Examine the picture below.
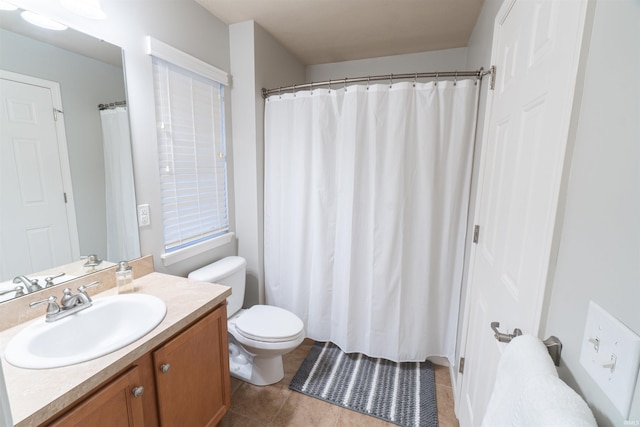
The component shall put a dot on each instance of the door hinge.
(65, 197)
(55, 114)
(476, 233)
(492, 85)
(461, 367)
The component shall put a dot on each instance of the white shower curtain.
(122, 229)
(366, 197)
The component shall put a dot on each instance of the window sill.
(170, 258)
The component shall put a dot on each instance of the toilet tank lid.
(219, 269)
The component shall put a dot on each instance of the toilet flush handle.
(164, 368)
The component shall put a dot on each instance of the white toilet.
(258, 336)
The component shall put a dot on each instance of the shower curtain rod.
(112, 105)
(479, 74)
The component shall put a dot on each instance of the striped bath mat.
(400, 393)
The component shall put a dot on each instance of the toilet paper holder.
(553, 344)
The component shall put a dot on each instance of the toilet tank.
(230, 271)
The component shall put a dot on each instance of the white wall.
(257, 61)
(599, 253)
(84, 83)
(242, 42)
(441, 60)
(184, 25)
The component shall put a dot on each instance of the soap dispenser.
(124, 278)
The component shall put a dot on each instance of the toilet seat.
(269, 324)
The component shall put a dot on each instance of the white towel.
(524, 357)
(547, 401)
(525, 367)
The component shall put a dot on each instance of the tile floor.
(276, 405)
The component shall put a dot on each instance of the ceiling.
(323, 31)
(68, 39)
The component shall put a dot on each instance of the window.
(192, 155)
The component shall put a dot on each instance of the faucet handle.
(49, 280)
(52, 306)
(19, 290)
(83, 288)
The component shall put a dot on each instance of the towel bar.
(554, 347)
(553, 344)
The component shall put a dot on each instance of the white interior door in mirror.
(34, 225)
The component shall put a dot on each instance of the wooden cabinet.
(192, 374)
(117, 404)
(186, 383)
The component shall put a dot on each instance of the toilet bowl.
(258, 336)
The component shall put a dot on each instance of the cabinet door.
(114, 405)
(192, 374)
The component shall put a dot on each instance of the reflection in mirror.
(66, 175)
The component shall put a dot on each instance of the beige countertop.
(37, 395)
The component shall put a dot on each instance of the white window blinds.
(192, 155)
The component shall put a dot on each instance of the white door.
(536, 51)
(36, 229)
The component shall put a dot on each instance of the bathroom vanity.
(177, 374)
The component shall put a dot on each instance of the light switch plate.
(611, 355)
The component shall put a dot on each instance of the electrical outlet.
(611, 355)
(144, 215)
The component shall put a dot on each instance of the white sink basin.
(108, 325)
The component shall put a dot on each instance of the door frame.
(544, 293)
(63, 151)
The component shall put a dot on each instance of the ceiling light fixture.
(5, 5)
(86, 8)
(41, 21)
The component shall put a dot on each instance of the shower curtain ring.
(329, 86)
(455, 79)
(390, 80)
(345, 84)
(368, 81)
(293, 90)
(415, 80)
(280, 92)
(436, 81)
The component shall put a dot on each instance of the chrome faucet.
(69, 303)
(29, 285)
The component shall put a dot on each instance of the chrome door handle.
(501, 336)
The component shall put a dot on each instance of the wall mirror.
(46, 226)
